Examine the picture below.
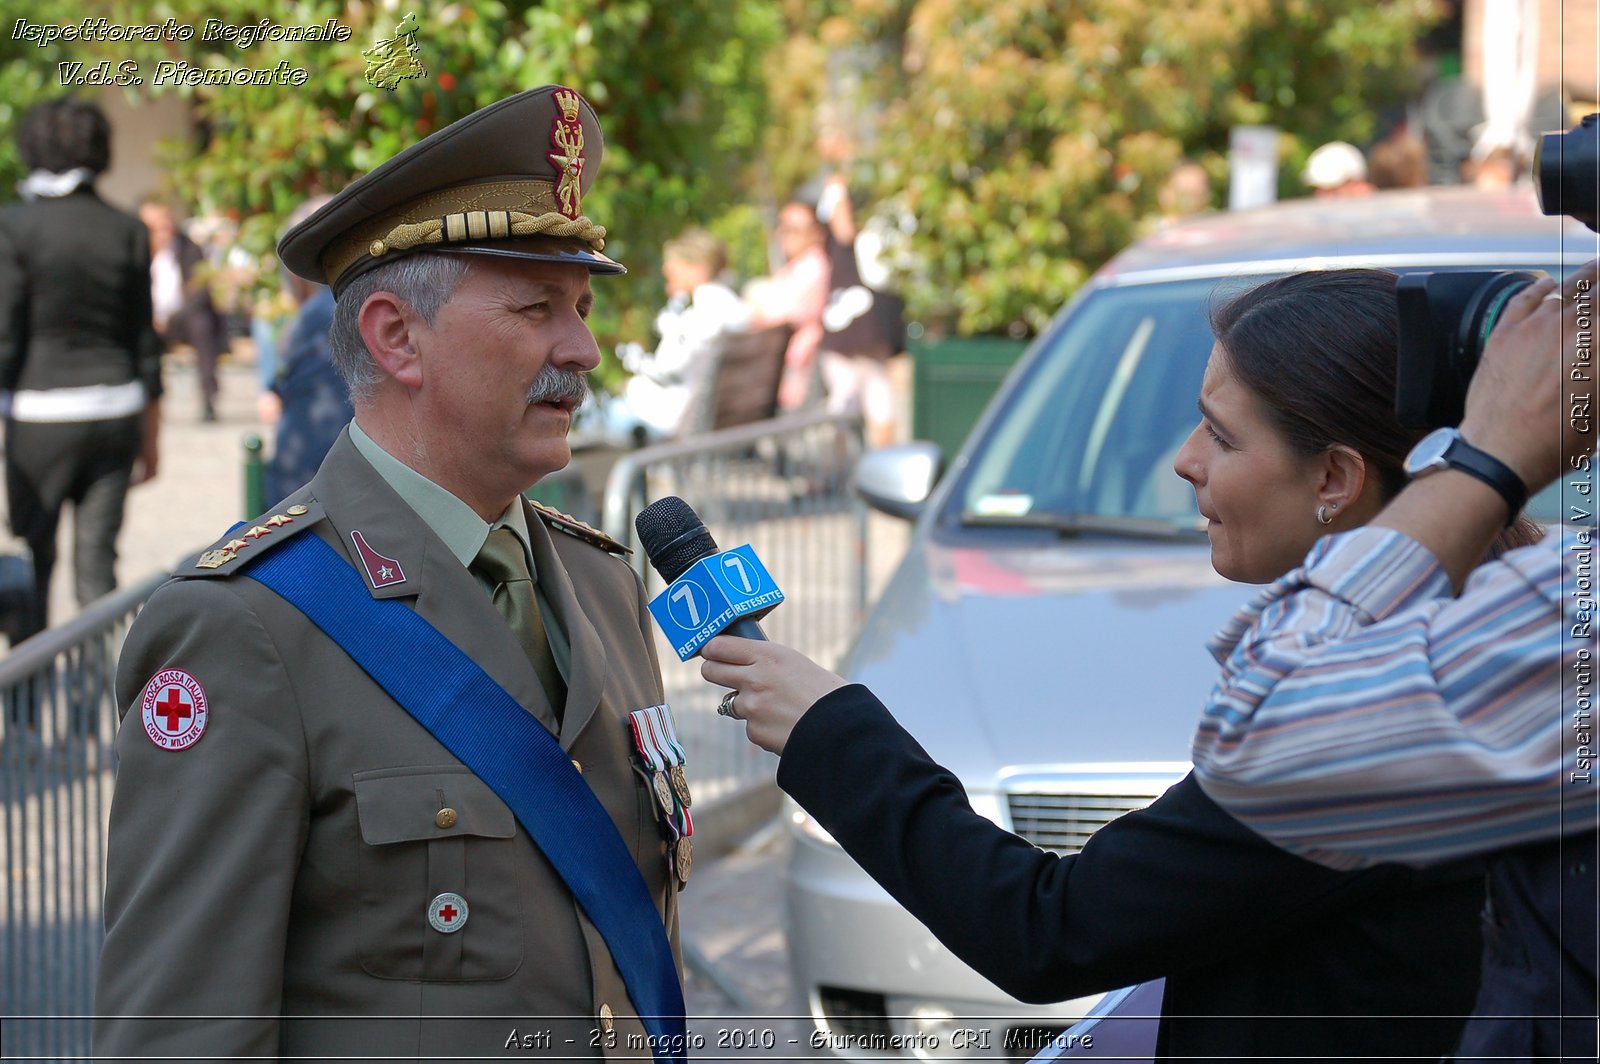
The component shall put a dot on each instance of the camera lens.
(1482, 313)
(1445, 321)
(1566, 170)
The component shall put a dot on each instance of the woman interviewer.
(1265, 955)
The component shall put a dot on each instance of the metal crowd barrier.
(782, 487)
(779, 486)
(58, 715)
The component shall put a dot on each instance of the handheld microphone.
(709, 591)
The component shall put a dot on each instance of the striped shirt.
(1365, 715)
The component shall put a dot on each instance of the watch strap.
(1489, 469)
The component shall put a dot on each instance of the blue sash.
(479, 722)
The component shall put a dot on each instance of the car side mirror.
(898, 480)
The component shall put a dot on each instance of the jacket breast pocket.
(438, 863)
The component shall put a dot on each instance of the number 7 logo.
(685, 593)
(736, 563)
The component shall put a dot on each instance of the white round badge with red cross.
(448, 913)
(174, 709)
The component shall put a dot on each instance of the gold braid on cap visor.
(394, 233)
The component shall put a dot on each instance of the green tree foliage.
(679, 89)
(1029, 139)
(1021, 143)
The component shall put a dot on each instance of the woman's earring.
(1322, 515)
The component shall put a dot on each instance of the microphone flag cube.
(711, 594)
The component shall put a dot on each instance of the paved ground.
(731, 917)
(731, 908)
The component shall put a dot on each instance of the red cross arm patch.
(173, 709)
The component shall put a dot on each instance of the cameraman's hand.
(1530, 401)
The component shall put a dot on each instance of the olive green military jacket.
(271, 880)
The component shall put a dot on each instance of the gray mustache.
(559, 384)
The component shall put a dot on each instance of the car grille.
(1064, 822)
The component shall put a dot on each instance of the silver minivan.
(1044, 636)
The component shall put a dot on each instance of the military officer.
(298, 866)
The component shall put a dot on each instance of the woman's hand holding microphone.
(772, 685)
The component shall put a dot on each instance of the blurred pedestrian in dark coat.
(79, 360)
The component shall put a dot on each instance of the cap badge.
(566, 134)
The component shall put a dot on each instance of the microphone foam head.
(673, 536)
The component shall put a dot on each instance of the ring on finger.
(725, 709)
(1552, 297)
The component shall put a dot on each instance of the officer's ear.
(389, 328)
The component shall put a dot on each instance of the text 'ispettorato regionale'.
(97, 30)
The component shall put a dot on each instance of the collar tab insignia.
(382, 570)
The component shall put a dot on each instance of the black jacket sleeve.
(13, 311)
(1179, 885)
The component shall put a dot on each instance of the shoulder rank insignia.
(574, 527)
(244, 543)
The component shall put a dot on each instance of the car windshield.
(1087, 439)
(1090, 436)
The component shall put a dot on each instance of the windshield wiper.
(1076, 524)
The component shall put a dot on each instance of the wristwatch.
(1445, 449)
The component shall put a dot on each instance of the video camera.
(1446, 318)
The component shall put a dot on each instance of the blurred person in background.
(701, 309)
(1495, 170)
(862, 328)
(1337, 169)
(1265, 956)
(1399, 160)
(1185, 193)
(312, 398)
(78, 355)
(270, 317)
(181, 297)
(795, 295)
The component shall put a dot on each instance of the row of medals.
(673, 785)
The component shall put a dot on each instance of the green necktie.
(505, 564)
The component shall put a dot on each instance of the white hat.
(1334, 164)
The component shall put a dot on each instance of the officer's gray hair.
(425, 281)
